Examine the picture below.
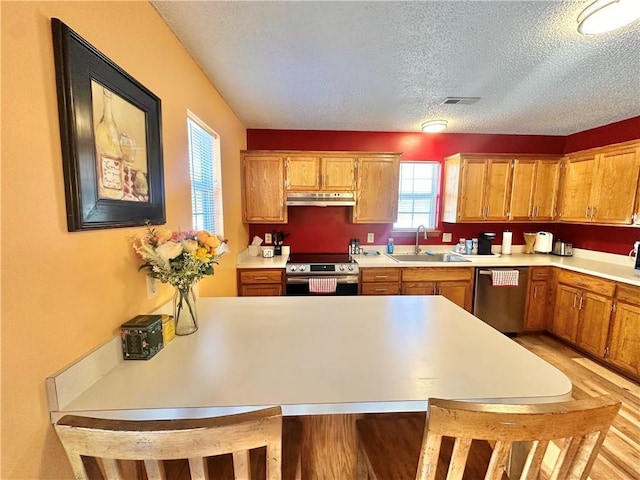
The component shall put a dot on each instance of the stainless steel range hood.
(324, 199)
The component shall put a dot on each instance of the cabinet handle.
(380, 289)
(535, 292)
(606, 352)
(533, 209)
(381, 276)
(537, 210)
(574, 300)
(593, 211)
(586, 212)
(261, 278)
(580, 306)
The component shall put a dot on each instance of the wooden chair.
(186, 448)
(477, 439)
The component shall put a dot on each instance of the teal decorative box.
(142, 337)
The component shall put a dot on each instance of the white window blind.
(206, 179)
(418, 195)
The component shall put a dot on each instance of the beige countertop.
(354, 354)
(613, 267)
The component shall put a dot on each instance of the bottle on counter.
(460, 247)
(390, 245)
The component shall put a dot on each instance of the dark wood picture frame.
(78, 66)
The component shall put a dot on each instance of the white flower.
(169, 250)
(190, 245)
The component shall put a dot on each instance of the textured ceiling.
(387, 66)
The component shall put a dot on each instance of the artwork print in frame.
(110, 128)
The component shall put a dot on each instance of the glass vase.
(184, 311)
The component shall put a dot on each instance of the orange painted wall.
(64, 293)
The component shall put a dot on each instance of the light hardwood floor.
(619, 458)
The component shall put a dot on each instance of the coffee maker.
(485, 240)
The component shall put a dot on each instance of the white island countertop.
(328, 355)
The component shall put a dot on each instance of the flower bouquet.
(180, 259)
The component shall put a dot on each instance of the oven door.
(299, 285)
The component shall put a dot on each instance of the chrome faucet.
(424, 229)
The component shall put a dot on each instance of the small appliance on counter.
(544, 242)
(637, 267)
(562, 249)
(529, 242)
(485, 240)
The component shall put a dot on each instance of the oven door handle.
(304, 280)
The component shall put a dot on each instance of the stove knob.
(292, 268)
(350, 268)
(302, 268)
(342, 268)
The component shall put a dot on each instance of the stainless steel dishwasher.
(502, 307)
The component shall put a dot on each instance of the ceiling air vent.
(460, 100)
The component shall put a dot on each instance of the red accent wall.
(316, 229)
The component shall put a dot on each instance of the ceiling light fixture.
(606, 15)
(434, 126)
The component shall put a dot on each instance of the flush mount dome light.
(606, 15)
(434, 126)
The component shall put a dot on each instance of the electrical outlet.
(267, 238)
(446, 237)
(152, 286)
(370, 237)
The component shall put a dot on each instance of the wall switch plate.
(267, 238)
(446, 237)
(152, 286)
(370, 237)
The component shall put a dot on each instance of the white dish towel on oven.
(323, 284)
(505, 278)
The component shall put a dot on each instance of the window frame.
(215, 184)
(437, 179)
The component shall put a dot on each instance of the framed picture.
(110, 127)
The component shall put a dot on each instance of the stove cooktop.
(321, 264)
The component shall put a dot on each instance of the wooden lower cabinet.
(623, 350)
(380, 281)
(539, 296)
(454, 283)
(260, 282)
(583, 310)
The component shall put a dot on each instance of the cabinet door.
(593, 327)
(578, 181)
(624, 349)
(303, 173)
(524, 175)
(474, 179)
(459, 292)
(266, 290)
(566, 313)
(498, 190)
(338, 174)
(616, 186)
(545, 189)
(537, 302)
(377, 189)
(419, 288)
(263, 189)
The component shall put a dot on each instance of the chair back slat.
(498, 461)
(429, 460)
(533, 463)
(155, 441)
(155, 470)
(241, 465)
(459, 456)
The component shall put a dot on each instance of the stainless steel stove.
(301, 268)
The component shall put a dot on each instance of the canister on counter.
(142, 337)
(168, 328)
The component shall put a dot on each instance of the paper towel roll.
(506, 242)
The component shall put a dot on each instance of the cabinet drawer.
(260, 276)
(436, 274)
(587, 282)
(381, 275)
(628, 294)
(539, 273)
(380, 288)
(257, 290)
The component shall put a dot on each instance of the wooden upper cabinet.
(477, 188)
(320, 173)
(377, 180)
(601, 185)
(263, 194)
(534, 189)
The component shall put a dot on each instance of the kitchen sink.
(427, 257)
